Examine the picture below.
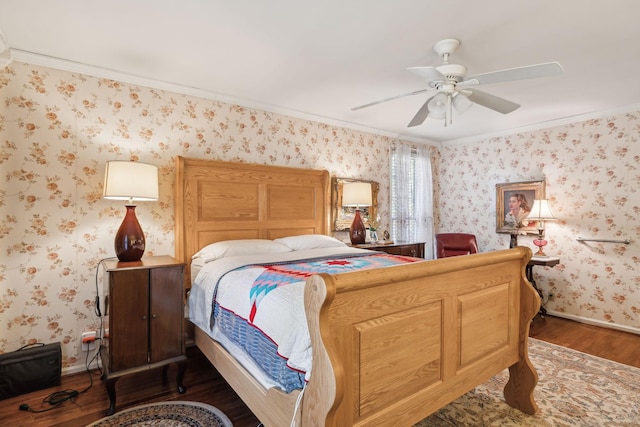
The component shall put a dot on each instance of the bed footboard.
(392, 346)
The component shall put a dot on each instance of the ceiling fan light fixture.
(438, 115)
(461, 103)
(456, 90)
(438, 105)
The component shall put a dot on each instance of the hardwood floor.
(619, 346)
(205, 385)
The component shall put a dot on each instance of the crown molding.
(78, 67)
(563, 121)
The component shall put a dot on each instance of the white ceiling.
(319, 59)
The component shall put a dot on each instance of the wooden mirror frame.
(342, 217)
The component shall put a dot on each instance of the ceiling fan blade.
(421, 115)
(388, 99)
(468, 82)
(431, 74)
(548, 69)
(493, 102)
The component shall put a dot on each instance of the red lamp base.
(357, 232)
(540, 243)
(129, 243)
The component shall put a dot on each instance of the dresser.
(415, 250)
(144, 327)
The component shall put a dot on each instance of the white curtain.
(412, 196)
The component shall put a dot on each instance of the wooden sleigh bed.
(390, 346)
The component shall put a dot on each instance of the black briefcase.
(33, 367)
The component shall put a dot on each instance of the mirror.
(341, 216)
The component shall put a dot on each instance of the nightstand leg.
(182, 368)
(529, 274)
(111, 391)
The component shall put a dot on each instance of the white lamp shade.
(541, 211)
(438, 115)
(125, 180)
(438, 105)
(356, 194)
(461, 103)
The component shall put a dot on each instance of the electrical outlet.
(88, 340)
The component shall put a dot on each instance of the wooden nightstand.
(144, 319)
(415, 250)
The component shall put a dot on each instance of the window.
(411, 196)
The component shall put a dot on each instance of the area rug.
(574, 389)
(167, 414)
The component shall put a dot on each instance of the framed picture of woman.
(513, 204)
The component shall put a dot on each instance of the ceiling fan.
(456, 90)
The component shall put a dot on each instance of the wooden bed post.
(324, 391)
(523, 377)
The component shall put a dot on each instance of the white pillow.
(310, 241)
(239, 247)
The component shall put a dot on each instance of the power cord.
(56, 399)
(97, 299)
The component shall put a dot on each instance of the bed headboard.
(217, 200)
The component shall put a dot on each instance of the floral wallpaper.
(592, 174)
(57, 130)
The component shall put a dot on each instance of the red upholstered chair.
(454, 244)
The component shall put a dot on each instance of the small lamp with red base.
(125, 180)
(540, 212)
(357, 194)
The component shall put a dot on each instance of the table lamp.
(130, 181)
(357, 194)
(540, 212)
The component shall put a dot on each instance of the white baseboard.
(73, 370)
(594, 322)
(93, 357)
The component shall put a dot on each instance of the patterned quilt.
(282, 274)
(258, 309)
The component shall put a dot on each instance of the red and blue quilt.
(282, 274)
(257, 306)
